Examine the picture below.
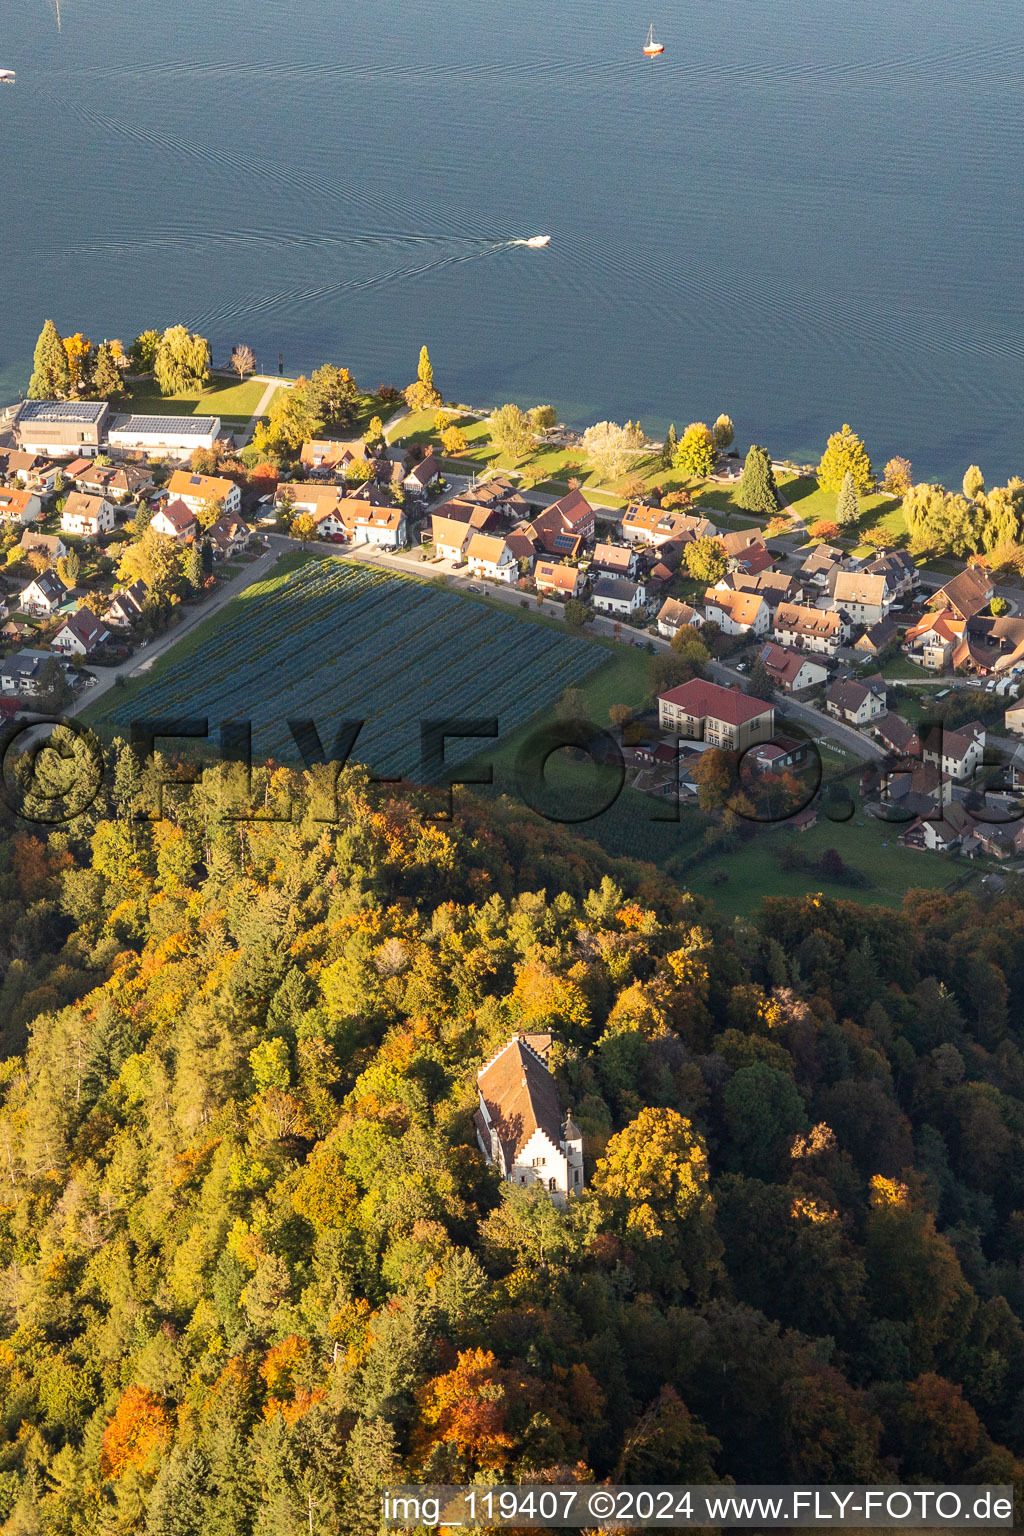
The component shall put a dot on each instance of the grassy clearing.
(234, 401)
(752, 871)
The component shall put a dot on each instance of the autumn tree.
(897, 477)
(242, 360)
(543, 418)
(51, 373)
(142, 352)
(705, 559)
(613, 449)
(714, 774)
(182, 362)
(423, 395)
(695, 455)
(454, 442)
(845, 453)
(512, 432)
(974, 483)
(140, 1426)
(723, 433)
(757, 491)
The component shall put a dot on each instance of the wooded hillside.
(253, 1264)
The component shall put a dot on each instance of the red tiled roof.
(703, 699)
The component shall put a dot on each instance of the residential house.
(363, 523)
(774, 586)
(423, 475)
(991, 645)
(746, 550)
(566, 527)
(899, 570)
(520, 1126)
(1000, 839)
(917, 790)
(878, 637)
(967, 594)
(43, 595)
(657, 578)
(624, 599)
(501, 498)
(164, 437)
(1017, 768)
(723, 717)
(175, 520)
(1014, 718)
(327, 456)
(81, 634)
(21, 673)
(305, 495)
(956, 753)
(228, 537)
(941, 830)
(31, 472)
(931, 642)
(822, 630)
(898, 735)
(864, 599)
(126, 606)
(49, 544)
(856, 702)
(785, 754)
(522, 541)
(822, 564)
(488, 556)
(674, 616)
(19, 506)
(658, 526)
(195, 489)
(615, 560)
(62, 429)
(116, 482)
(737, 613)
(557, 579)
(449, 535)
(791, 670)
(88, 516)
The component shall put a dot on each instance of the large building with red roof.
(723, 717)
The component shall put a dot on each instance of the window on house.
(552, 1184)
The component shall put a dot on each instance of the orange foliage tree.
(139, 1427)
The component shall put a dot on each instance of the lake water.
(802, 214)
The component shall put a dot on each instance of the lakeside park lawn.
(232, 400)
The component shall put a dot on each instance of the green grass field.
(224, 397)
(752, 871)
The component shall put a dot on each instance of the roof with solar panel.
(177, 426)
(83, 411)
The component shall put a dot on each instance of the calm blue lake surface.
(802, 214)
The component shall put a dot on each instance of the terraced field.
(334, 640)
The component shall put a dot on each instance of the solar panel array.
(62, 410)
(165, 426)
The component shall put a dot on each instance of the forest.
(253, 1265)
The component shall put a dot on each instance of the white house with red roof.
(175, 521)
(80, 634)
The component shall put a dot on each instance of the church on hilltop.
(519, 1123)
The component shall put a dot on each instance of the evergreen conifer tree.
(757, 491)
(51, 375)
(668, 452)
(847, 504)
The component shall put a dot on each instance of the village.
(913, 677)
